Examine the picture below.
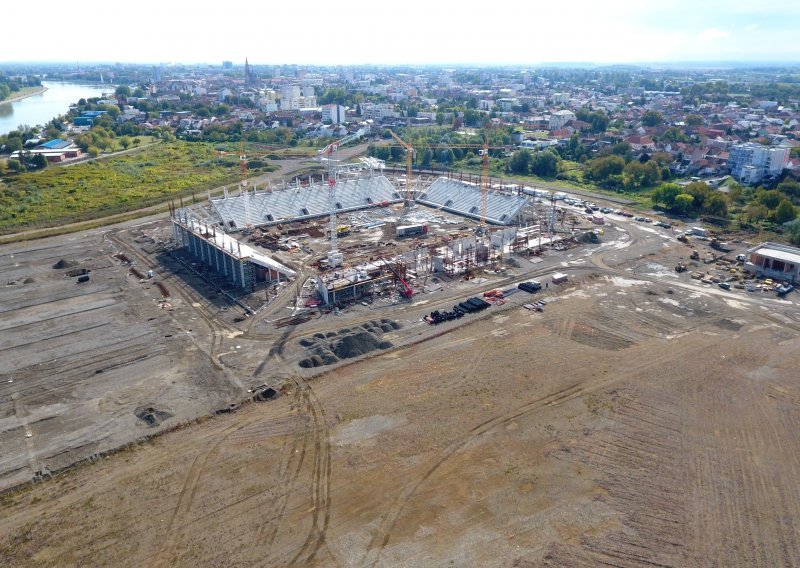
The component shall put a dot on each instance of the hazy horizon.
(521, 33)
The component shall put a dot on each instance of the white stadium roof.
(293, 204)
(464, 199)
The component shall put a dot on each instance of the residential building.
(751, 163)
(559, 118)
(333, 113)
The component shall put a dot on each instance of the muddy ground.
(640, 419)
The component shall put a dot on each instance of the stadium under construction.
(387, 263)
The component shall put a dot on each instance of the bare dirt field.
(642, 419)
(89, 366)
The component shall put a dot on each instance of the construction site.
(359, 367)
(364, 235)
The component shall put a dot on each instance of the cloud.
(752, 27)
(712, 34)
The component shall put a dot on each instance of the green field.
(116, 184)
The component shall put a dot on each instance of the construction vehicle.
(680, 267)
(406, 291)
(695, 255)
(342, 230)
(683, 238)
(716, 244)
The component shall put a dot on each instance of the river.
(40, 109)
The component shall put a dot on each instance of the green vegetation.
(13, 85)
(112, 185)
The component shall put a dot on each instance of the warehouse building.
(774, 260)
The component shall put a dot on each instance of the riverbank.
(24, 94)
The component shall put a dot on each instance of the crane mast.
(335, 258)
(409, 158)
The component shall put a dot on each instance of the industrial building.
(366, 280)
(774, 260)
(239, 263)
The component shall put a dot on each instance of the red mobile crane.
(406, 291)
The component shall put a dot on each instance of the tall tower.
(249, 77)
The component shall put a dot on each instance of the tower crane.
(484, 152)
(409, 158)
(335, 258)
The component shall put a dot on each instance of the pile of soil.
(151, 416)
(346, 343)
(63, 263)
(588, 237)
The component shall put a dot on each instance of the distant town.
(617, 128)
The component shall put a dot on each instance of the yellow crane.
(409, 158)
(484, 152)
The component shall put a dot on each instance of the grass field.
(111, 185)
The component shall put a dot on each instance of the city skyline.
(358, 33)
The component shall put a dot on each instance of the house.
(641, 143)
(560, 118)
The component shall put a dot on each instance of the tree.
(785, 212)
(545, 164)
(792, 230)
(735, 192)
(769, 198)
(425, 158)
(717, 204)
(446, 156)
(123, 91)
(789, 187)
(13, 144)
(94, 151)
(639, 174)
(520, 162)
(652, 118)
(683, 203)
(601, 169)
(15, 166)
(699, 192)
(125, 141)
(39, 162)
(665, 194)
(756, 212)
(694, 120)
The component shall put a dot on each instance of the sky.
(404, 32)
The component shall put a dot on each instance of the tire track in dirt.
(321, 479)
(389, 519)
(288, 476)
(187, 494)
